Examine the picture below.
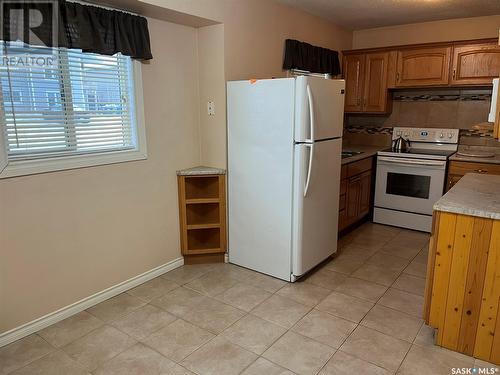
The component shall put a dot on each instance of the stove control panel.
(429, 135)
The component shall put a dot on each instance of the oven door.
(410, 185)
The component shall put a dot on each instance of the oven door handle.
(404, 161)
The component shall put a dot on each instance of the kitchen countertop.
(368, 151)
(474, 195)
(491, 160)
(200, 171)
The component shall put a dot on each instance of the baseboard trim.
(65, 312)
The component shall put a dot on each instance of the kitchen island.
(462, 296)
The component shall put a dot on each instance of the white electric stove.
(409, 183)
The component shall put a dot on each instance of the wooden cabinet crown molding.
(421, 45)
(371, 73)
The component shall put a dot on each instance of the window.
(62, 108)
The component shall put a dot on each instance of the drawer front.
(462, 168)
(342, 202)
(343, 187)
(342, 219)
(359, 167)
(343, 172)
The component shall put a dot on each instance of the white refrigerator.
(284, 152)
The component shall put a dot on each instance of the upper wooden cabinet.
(370, 73)
(366, 82)
(354, 73)
(375, 97)
(475, 64)
(423, 67)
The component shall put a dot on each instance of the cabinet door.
(475, 64)
(354, 72)
(423, 67)
(452, 180)
(343, 220)
(375, 98)
(365, 193)
(353, 197)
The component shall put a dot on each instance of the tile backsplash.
(431, 108)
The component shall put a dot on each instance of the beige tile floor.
(359, 313)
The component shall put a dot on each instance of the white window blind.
(78, 103)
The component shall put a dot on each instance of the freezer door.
(260, 181)
(325, 97)
(316, 203)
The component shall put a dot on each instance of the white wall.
(427, 32)
(212, 88)
(67, 235)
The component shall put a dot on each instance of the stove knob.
(450, 135)
(441, 135)
(406, 134)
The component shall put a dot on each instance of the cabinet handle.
(480, 170)
(454, 72)
(397, 77)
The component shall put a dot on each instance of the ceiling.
(365, 14)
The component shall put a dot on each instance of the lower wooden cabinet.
(355, 192)
(458, 169)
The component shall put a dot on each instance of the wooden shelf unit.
(202, 215)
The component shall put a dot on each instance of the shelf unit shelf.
(202, 200)
(202, 226)
(202, 214)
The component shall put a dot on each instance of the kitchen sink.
(348, 154)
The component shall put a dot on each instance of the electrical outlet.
(211, 108)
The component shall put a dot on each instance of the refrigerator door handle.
(309, 169)
(311, 112)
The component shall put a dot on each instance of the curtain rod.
(103, 7)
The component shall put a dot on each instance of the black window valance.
(86, 27)
(304, 56)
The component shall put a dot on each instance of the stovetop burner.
(425, 143)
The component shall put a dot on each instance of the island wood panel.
(444, 248)
(459, 268)
(489, 318)
(475, 282)
(464, 277)
(496, 125)
(495, 348)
